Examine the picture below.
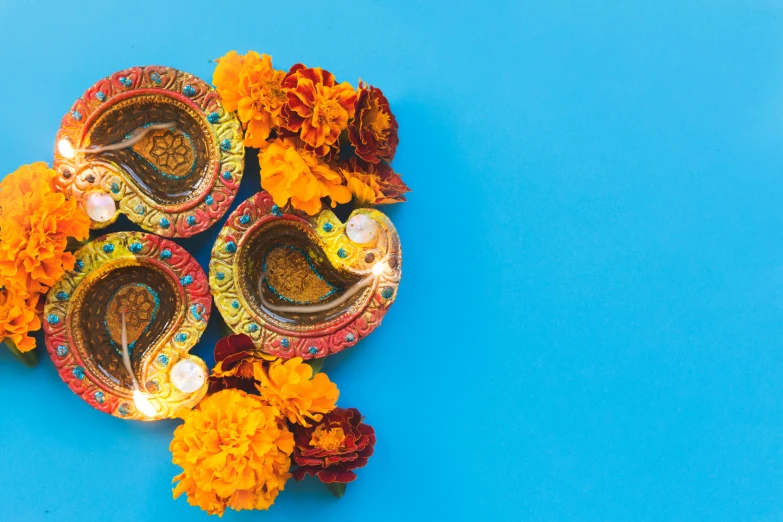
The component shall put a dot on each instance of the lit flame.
(65, 149)
(143, 404)
(379, 268)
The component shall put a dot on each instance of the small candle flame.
(65, 149)
(143, 404)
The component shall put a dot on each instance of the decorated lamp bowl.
(120, 324)
(306, 286)
(153, 143)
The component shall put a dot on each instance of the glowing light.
(379, 268)
(65, 149)
(143, 404)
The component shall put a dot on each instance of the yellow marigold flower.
(295, 174)
(18, 319)
(318, 108)
(234, 452)
(290, 387)
(251, 86)
(35, 223)
(365, 188)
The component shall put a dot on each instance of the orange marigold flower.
(35, 223)
(374, 129)
(376, 185)
(234, 452)
(318, 109)
(290, 387)
(298, 175)
(18, 318)
(251, 86)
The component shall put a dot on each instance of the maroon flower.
(234, 356)
(341, 442)
(374, 129)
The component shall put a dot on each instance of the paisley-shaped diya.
(300, 285)
(120, 324)
(153, 143)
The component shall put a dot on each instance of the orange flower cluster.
(318, 138)
(35, 223)
(234, 452)
(236, 447)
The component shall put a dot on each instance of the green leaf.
(336, 488)
(29, 358)
(316, 364)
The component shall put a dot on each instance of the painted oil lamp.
(153, 143)
(300, 285)
(120, 324)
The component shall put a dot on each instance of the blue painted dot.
(227, 176)
(276, 211)
(61, 296)
(235, 304)
(164, 223)
(78, 265)
(213, 117)
(313, 350)
(208, 200)
(245, 219)
(78, 372)
(100, 397)
(100, 96)
(76, 115)
(350, 338)
(115, 188)
(327, 227)
(125, 81)
(124, 409)
(196, 310)
(387, 292)
(139, 209)
(155, 78)
(62, 350)
(225, 144)
(342, 253)
(191, 220)
(53, 319)
(220, 276)
(189, 90)
(108, 248)
(284, 343)
(163, 360)
(181, 337)
(252, 327)
(135, 247)
(231, 247)
(165, 254)
(186, 280)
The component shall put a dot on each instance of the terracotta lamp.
(153, 143)
(300, 285)
(120, 325)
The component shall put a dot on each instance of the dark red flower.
(374, 129)
(234, 357)
(341, 442)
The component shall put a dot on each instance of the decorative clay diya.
(156, 142)
(300, 285)
(120, 325)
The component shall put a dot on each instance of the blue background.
(590, 321)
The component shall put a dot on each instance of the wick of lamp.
(67, 150)
(141, 400)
